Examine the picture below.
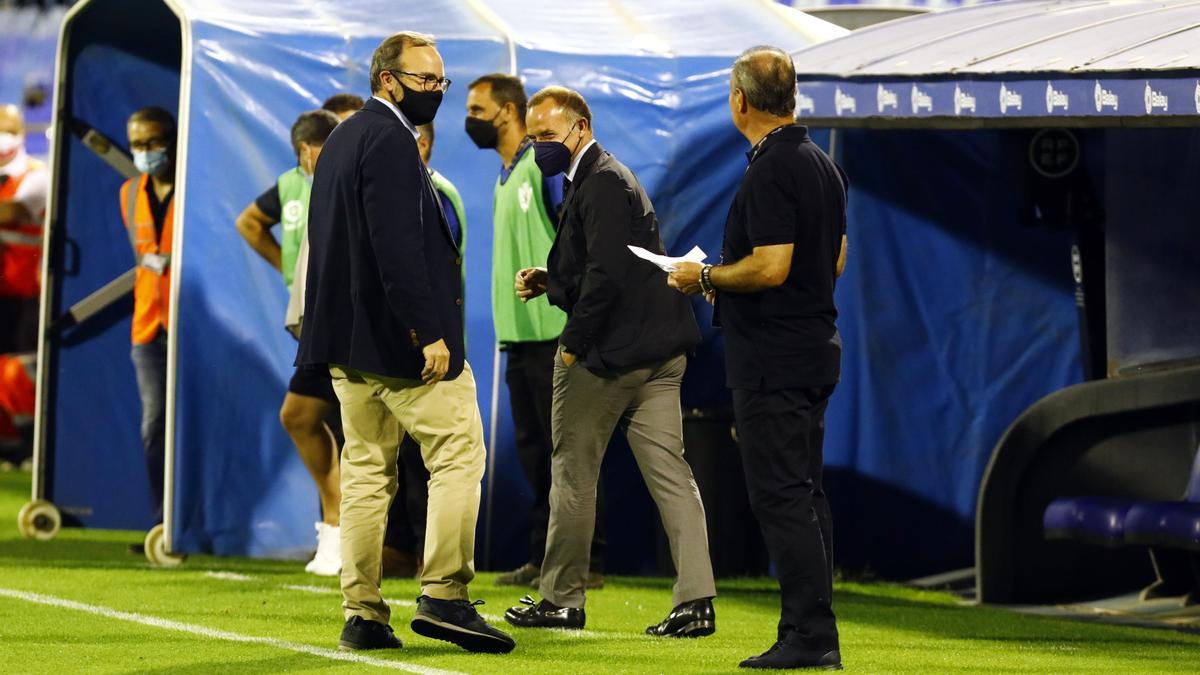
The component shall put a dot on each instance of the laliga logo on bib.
(805, 104)
(291, 214)
(921, 100)
(525, 196)
(963, 101)
(1056, 99)
(1009, 99)
(1154, 100)
(843, 103)
(1105, 98)
(885, 98)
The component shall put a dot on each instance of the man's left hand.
(685, 278)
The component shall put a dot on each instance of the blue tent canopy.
(1075, 61)
(992, 255)
(239, 72)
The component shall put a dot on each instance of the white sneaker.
(328, 560)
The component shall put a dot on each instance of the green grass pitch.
(233, 615)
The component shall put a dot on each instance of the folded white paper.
(667, 263)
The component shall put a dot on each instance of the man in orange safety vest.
(147, 209)
(23, 185)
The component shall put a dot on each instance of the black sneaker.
(456, 621)
(360, 633)
(784, 655)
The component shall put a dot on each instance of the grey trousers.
(587, 407)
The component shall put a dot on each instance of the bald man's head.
(12, 133)
(11, 120)
(767, 78)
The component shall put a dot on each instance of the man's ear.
(740, 99)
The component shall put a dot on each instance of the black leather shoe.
(786, 656)
(694, 618)
(545, 614)
(360, 633)
(457, 622)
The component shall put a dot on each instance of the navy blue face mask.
(553, 157)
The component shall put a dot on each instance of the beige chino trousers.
(444, 419)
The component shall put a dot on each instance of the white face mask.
(10, 146)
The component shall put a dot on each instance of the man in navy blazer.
(383, 314)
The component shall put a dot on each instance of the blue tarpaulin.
(957, 304)
(655, 74)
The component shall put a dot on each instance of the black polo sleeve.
(268, 203)
(771, 204)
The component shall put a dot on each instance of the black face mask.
(483, 132)
(554, 157)
(420, 107)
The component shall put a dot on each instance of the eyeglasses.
(428, 82)
(149, 143)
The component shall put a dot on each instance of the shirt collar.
(403, 120)
(766, 141)
(578, 158)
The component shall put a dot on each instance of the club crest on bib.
(525, 196)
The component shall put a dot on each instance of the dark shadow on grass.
(73, 553)
(992, 624)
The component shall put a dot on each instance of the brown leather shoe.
(398, 564)
(522, 576)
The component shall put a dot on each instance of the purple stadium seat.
(1171, 524)
(1098, 520)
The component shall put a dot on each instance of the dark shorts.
(314, 382)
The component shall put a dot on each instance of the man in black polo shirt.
(773, 291)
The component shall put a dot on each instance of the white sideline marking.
(310, 589)
(216, 634)
(229, 576)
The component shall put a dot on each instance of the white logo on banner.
(886, 98)
(525, 196)
(1105, 99)
(1009, 99)
(1198, 97)
(1056, 99)
(1154, 100)
(805, 104)
(921, 100)
(843, 103)
(963, 101)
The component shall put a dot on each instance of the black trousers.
(530, 379)
(780, 434)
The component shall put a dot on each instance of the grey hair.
(768, 77)
(387, 54)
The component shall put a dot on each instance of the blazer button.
(458, 261)
(458, 302)
(413, 334)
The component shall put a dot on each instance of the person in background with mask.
(383, 311)
(343, 104)
(620, 363)
(148, 211)
(310, 400)
(524, 217)
(24, 182)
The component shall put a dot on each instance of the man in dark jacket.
(383, 312)
(620, 362)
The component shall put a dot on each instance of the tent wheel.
(156, 549)
(40, 520)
